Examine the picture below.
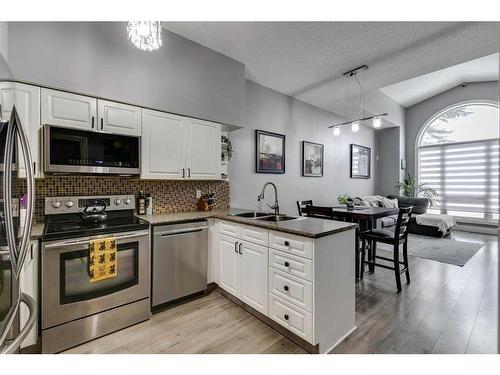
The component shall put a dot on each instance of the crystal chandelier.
(145, 35)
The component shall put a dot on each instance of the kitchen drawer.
(229, 229)
(292, 244)
(291, 289)
(291, 264)
(292, 318)
(256, 235)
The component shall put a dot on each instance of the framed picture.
(269, 152)
(312, 159)
(360, 161)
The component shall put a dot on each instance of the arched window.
(458, 155)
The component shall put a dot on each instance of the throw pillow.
(389, 203)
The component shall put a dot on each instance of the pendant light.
(361, 115)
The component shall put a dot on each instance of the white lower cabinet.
(253, 273)
(296, 320)
(28, 281)
(243, 271)
(306, 285)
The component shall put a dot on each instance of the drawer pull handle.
(236, 247)
(287, 264)
(286, 288)
(286, 317)
(287, 243)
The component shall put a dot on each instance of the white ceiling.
(415, 90)
(306, 59)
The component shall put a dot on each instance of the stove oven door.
(68, 294)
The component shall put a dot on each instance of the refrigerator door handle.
(17, 256)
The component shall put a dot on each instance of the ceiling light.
(336, 131)
(355, 126)
(377, 122)
(145, 35)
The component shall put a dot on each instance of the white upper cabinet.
(7, 99)
(176, 147)
(162, 145)
(68, 110)
(203, 149)
(28, 108)
(118, 118)
(27, 101)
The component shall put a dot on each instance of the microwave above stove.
(68, 151)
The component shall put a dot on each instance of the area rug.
(441, 249)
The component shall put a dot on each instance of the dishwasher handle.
(177, 232)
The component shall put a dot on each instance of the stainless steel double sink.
(262, 216)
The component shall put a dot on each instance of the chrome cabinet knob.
(118, 201)
(126, 201)
(69, 204)
(56, 204)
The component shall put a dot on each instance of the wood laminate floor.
(445, 309)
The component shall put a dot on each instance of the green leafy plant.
(343, 199)
(410, 187)
(229, 146)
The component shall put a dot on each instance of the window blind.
(465, 176)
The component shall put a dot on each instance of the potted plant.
(345, 199)
(410, 187)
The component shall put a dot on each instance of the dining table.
(366, 217)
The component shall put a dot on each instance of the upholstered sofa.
(420, 206)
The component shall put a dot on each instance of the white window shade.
(465, 175)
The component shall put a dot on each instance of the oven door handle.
(86, 241)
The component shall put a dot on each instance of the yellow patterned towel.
(102, 259)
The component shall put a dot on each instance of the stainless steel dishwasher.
(179, 261)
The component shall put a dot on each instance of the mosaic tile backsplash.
(168, 196)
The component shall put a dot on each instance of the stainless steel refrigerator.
(15, 237)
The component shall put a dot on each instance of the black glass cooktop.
(73, 226)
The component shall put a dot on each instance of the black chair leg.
(373, 252)
(396, 267)
(405, 259)
(362, 263)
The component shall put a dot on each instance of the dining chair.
(396, 238)
(320, 212)
(301, 206)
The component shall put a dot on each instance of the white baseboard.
(477, 229)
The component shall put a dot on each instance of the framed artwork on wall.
(312, 159)
(360, 161)
(269, 152)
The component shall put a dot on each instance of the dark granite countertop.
(303, 226)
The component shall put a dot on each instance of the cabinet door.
(162, 146)
(229, 265)
(28, 108)
(203, 157)
(68, 110)
(118, 118)
(28, 281)
(7, 99)
(254, 283)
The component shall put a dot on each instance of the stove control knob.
(126, 201)
(69, 204)
(56, 204)
(117, 202)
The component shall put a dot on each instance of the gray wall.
(269, 110)
(387, 167)
(97, 59)
(417, 115)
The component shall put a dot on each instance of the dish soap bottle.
(141, 203)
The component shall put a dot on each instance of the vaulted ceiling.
(306, 59)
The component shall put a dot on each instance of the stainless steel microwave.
(89, 152)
